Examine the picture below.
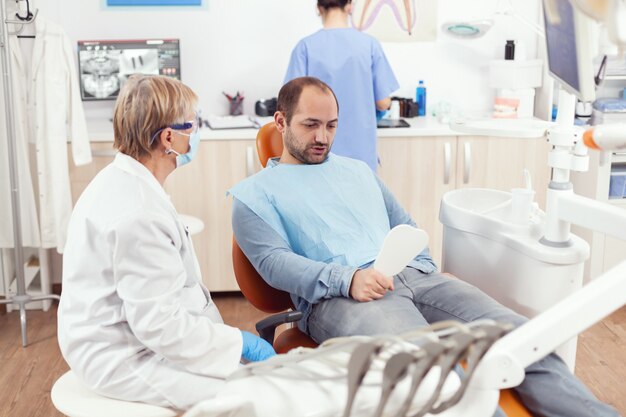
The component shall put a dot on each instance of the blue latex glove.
(380, 114)
(255, 349)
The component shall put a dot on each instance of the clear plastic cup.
(521, 205)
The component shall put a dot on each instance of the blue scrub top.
(354, 65)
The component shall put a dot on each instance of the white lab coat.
(135, 321)
(48, 112)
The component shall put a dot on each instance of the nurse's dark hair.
(147, 104)
(332, 4)
(289, 94)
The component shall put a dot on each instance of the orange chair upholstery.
(511, 404)
(271, 300)
(260, 294)
(269, 142)
(264, 297)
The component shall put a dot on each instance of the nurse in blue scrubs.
(354, 65)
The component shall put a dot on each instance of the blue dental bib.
(328, 212)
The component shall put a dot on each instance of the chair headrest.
(269, 142)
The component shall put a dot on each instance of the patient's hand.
(369, 284)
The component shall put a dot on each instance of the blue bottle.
(420, 98)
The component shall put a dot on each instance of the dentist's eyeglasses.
(195, 124)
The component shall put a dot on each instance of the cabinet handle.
(447, 160)
(249, 161)
(467, 164)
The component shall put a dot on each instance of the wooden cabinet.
(498, 163)
(198, 189)
(419, 170)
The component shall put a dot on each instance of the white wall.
(244, 45)
(455, 70)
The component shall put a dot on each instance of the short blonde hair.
(146, 104)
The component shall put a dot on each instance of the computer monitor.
(570, 60)
(104, 66)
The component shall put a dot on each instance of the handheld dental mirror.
(401, 244)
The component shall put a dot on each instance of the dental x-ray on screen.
(104, 66)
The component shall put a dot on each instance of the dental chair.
(260, 294)
(269, 143)
(269, 300)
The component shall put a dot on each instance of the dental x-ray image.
(106, 65)
(139, 61)
(99, 69)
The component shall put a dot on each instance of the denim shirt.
(307, 281)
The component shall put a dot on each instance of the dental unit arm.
(503, 366)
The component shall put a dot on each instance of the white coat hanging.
(49, 113)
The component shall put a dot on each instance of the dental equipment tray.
(384, 123)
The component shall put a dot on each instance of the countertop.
(101, 130)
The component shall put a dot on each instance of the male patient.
(312, 223)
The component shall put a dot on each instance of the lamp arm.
(510, 11)
(535, 28)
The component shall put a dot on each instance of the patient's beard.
(304, 153)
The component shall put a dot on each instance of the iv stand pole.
(21, 298)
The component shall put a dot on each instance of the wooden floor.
(27, 374)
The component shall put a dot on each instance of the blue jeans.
(549, 388)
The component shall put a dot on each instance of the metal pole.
(20, 298)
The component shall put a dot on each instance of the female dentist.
(354, 65)
(135, 321)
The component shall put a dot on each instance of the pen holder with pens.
(235, 107)
(235, 104)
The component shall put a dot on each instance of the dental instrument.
(383, 366)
